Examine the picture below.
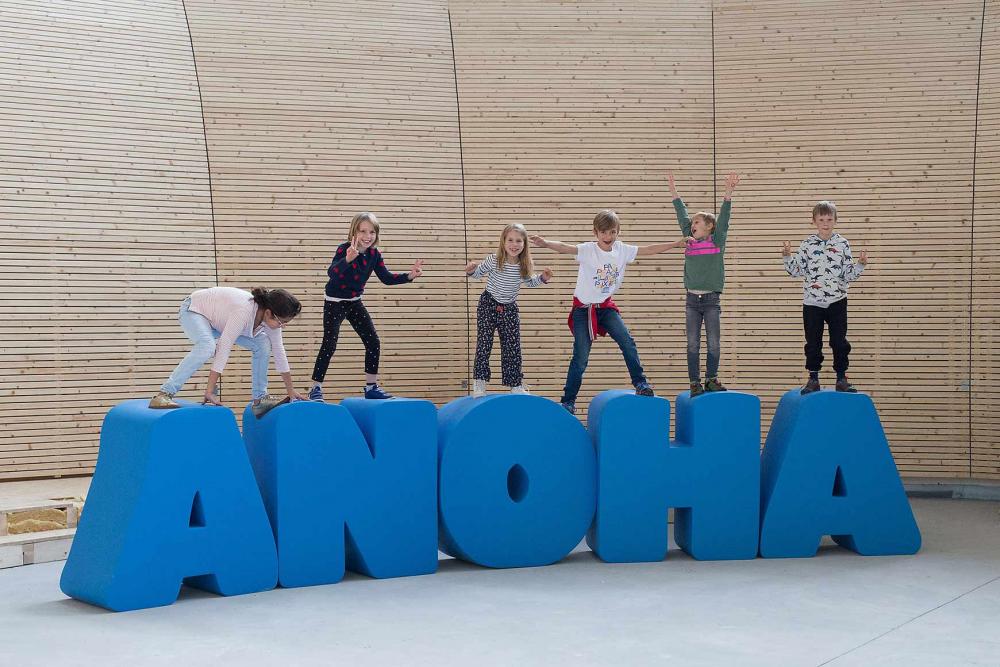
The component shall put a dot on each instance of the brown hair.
(706, 216)
(356, 221)
(825, 207)
(606, 220)
(282, 305)
(525, 259)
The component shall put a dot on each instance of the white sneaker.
(478, 388)
(519, 389)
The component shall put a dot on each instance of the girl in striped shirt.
(505, 272)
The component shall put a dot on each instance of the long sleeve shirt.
(704, 263)
(347, 279)
(826, 268)
(232, 312)
(504, 284)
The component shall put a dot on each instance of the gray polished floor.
(940, 607)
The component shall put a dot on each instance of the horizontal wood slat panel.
(106, 218)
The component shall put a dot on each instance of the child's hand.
(546, 274)
(296, 396)
(672, 183)
(732, 180)
(352, 250)
(210, 399)
(537, 241)
(786, 249)
(470, 267)
(416, 270)
(863, 260)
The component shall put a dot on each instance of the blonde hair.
(705, 216)
(605, 220)
(356, 221)
(525, 259)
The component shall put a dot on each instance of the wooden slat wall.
(104, 216)
(316, 111)
(986, 260)
(873, 106)
(569, 108)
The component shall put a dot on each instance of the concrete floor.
(940, 607)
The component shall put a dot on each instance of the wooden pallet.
(31, 548)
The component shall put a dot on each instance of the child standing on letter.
(352, 266)
(704, 277)
(602, 268)
(826, 267)
(505, 271)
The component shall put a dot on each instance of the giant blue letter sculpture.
(827, 470)
(173, 500)
(516, 481)
(710, 476)
(352, 485)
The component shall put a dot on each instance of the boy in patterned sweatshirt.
(826, 267)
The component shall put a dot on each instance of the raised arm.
(795, 263)
(683, 221)
(852, 270)
(558, 246)
(390, 278)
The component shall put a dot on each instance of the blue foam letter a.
(710, 476)
(172, 501)
(348, 486)
(516, 481)
(827, 470)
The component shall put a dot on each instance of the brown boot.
(811, 386)
(713, 384)
(843, 384)
(696, 389)
(163, 401)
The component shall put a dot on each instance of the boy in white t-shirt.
(602, 268)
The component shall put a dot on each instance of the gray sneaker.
(266, 403)
(163, 401)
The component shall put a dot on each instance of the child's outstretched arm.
(795, 264)
(558, 246)
(657, 248)
(683, 221)
(852, 270)
(480, 269)
(542, 278)
(390, 278)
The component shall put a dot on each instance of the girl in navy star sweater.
(352, 265)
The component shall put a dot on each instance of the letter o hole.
(517, 483)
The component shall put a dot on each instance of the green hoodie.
(704, 265)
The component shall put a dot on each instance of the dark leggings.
(334, 313)
(506, 320)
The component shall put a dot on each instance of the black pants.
(493, 316)
(835, 317)
(334, 313)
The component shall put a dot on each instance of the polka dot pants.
(505, 317)
(334, 313)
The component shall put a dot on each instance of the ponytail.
(282, 304)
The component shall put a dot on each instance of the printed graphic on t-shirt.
(606, 277)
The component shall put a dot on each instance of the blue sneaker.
(316, 394)
(570, 406)
(375, 391)
(643, 389)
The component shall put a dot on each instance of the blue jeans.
(703, 308)
(612, 322)
(201, 333)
